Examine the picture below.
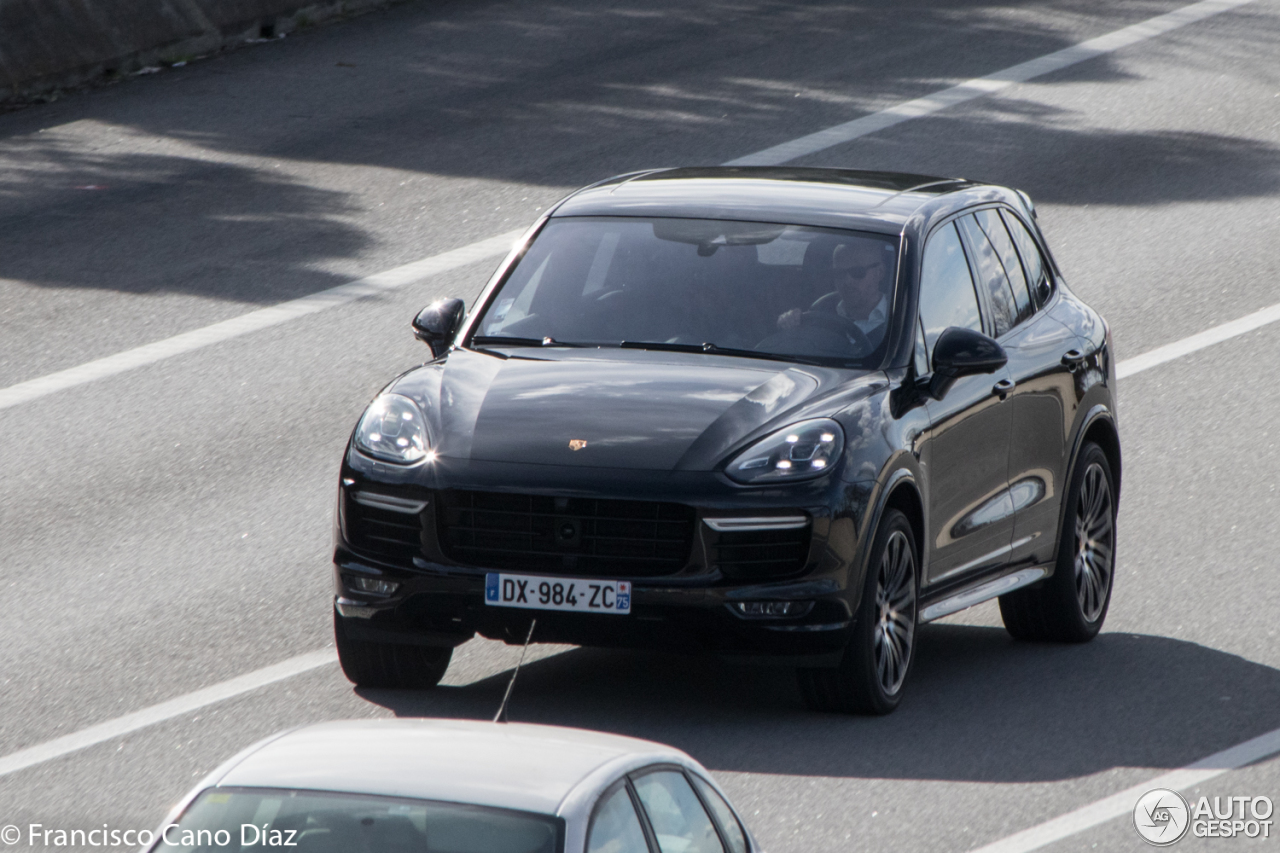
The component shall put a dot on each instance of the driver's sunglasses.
(857, 273)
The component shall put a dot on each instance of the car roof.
(832, 198)
(505, 765)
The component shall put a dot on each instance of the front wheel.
(871, 673)
(1071, 605)
(368, 663)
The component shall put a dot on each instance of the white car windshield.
(791, 291)
(251, 819)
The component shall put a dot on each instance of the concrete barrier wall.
(51, 44)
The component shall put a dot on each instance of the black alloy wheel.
(1070, 606)
(875, 665)
(367, 663)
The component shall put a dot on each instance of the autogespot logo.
(1161, 817)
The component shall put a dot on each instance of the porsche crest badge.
(577, 443)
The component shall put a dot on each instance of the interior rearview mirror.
(436, 324)
(963, 352)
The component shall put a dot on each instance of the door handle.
(1073, 358)
(1003, 387)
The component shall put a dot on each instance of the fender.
(880, 498)
(1098, 412)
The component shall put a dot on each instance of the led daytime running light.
(803, 450)
(393, 429)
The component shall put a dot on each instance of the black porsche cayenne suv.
(785, 413)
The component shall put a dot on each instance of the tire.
(373, 664)
(874, 667)
(1071, 605)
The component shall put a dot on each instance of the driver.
(861, 273)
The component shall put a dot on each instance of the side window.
(991, 277)
(675, 813)
(729, 826)
(920, 356)
(994, 228)
(615, 828)
(1037, 281)
(946, 287)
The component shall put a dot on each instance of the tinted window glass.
(780, 289)
(946, 287)
(729, 825)
(615, 828)
(1032, 263)
(991, 277)
(989, 219)
(920, 356)
(677, 817)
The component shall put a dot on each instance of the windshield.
(240, 820)
(785, 290)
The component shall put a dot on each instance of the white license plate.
(539, 593)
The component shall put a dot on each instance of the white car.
(455, 786)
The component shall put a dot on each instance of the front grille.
(758, 554)
(582, 536)
(394, 537)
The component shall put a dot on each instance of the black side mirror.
(436, 324)
(963, 352)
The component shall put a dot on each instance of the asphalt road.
(168, 528)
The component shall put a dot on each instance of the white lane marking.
(1122, 803)
(466, 669)
(980, 87)
(60, 746)
(263, 318)
(121, 362)
(1198, 341)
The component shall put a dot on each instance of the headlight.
(802, 450)
(394, 429)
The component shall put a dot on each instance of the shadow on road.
(557, 96)
(193, 226)
(981, 707)
(1041, 152)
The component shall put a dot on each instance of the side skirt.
(984, 590)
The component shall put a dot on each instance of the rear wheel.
(368, 663)
(1071, 605)
(875, 664)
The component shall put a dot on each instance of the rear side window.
(678, 819)
(947, 297)
(615, 828)
(729, 826)
(1032, 263)
(994, 228)
(991, 277)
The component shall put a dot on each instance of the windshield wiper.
(480, 341)
(506, 341)
(712, 349)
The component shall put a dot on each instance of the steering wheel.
(836, 323)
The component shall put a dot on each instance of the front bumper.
(439, 600)
(447, 607)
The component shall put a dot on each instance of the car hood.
(610, 408)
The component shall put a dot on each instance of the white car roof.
(507, 765)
